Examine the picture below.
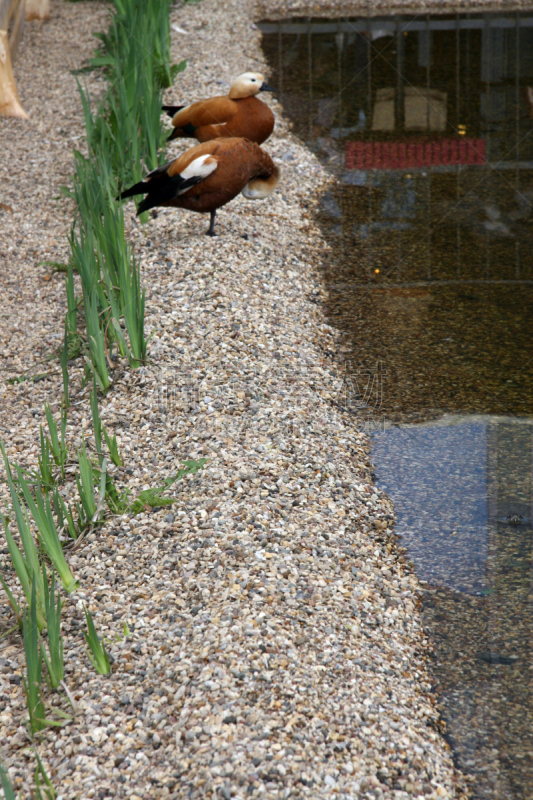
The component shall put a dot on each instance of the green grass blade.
(112, 446)
(7, 786)
(32, 682)
(54, 657)
(40, 772)
(56, 442)
(45, 462)
(86, 483)
(98, 655)
(11, 600)
(65, 519)
(71, 320)
(64, 368)
(97, 423)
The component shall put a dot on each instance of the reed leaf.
(41, 511)
(98, 654)
(7, 786)
(54, 657)
(32, 681)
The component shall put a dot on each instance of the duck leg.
(211, 230)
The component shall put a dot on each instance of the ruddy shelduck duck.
(240, 113)
(208, 176)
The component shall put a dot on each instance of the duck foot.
(211, 230)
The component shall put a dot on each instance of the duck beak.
(266, 88)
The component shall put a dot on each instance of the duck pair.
(228, 159)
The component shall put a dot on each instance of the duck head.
(247, 85)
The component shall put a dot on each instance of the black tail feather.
(139, 188)
(171, 110)
(165, 190)
(160, 188)
(187, 130)
(147, 203)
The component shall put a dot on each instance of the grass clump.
(91, 503)
(57, 444)
(124, 137)
(26, 562)
(53, 453)
(156, 497)
(40, 509)
(37, 719)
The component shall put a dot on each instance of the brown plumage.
(240, 113)
(208, 176)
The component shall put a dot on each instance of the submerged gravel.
(275, 648)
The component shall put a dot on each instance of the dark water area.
(426, 122)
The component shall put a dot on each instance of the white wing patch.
(197, 171)
(198, 168)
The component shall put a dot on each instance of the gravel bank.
(276, 648)
(282, 9)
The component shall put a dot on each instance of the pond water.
(426, 122)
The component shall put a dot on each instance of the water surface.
(427, 124)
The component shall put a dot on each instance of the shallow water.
(427, 124)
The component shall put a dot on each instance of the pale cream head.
(246, 85)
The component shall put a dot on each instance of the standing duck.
(208, 176)
(240, 113)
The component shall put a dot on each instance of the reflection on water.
(448, 541)
(426, 122)
(463, 492)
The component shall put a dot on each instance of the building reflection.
(427, 125)
(439, 109)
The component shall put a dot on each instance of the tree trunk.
(9, 101)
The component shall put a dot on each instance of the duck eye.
(253, 80)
